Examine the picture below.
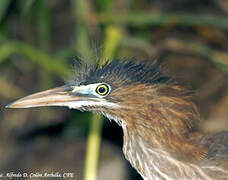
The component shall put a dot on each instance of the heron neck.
(154, 160)
(164, 118)
(185, 148)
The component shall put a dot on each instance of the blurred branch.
(220, 59)
(213, 35)
(145, 19)
(138, 43)
(51, 64)
(113, 36)
(6, 50)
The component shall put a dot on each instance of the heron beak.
(59, 96)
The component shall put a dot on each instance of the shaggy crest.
(126, 71)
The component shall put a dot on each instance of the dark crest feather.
(124, 71)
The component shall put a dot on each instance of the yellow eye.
(102, 89)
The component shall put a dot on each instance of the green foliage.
(104, 5)
(46, 61)
(161, 19)
(4, 4)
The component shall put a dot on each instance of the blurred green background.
(41, 41)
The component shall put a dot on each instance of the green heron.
(157, 116)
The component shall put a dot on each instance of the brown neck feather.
(164, 116)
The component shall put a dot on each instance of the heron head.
(118, 89)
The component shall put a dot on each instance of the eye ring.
(102, 89)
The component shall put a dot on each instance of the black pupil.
(101, 90)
